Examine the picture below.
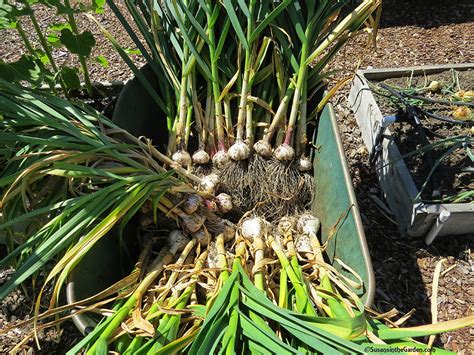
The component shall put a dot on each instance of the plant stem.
(25, 39)
(198, 114)
(163, 258)
(163, 158)
(215, 86)
(167, 328)
(336, 307)
(45, 46)
(82, 59)
(300, 84)
(301, 129)
(299, 286)
(228, 121)
(207, 118)
(31, 50)
(183, 107)
(222, 260)
(280, 114)
(242, 118)
(259, 277)
(283, 293)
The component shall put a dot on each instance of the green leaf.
(271, 342)
(386, 333)
(130, 51)
(269, 19)
(104, 63)
(190, 17)
(235, 23)
(199, 310)
(42, 56)
(99, 6)
(53, 40)
(80, 44)
(175, 346)
(70, 78)
(184, 32)
(61, 9)
(9, 12)
(314, 337)
(102, 347)
(27, 68)
(216, 321)
(58, 26)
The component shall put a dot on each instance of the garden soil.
(450, 184)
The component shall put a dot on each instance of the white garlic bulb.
(210, 182)
(304, 164)
(263, 148)
(220, 158)
(253, 228)
(239, 151)
(201, 157)
(182, 157)
(224, 203)
(284, 153)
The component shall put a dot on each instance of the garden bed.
(451, 181)
(403, 181)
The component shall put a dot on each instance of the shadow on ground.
(426, 13)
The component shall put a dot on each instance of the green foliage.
(27, 68)
(55, 142)
(80, 44)
(70, 77)
(64, 34)
(104, 63)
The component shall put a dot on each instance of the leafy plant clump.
(38, 65)
(241, 268)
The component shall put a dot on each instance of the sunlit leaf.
(80, 44)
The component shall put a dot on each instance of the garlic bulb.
(192, 203)
(304, 164)
(201, 157)
(192, 222)
(228, 230)
(177, 239)
(224, 203)
(202, 236)
(239, 151)
(308, 224)
(182, 157)
(253, 228)
(286, 225)
(284, 153)
(303, 244)
(220, 158)
(210, 182)
(263, 148)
